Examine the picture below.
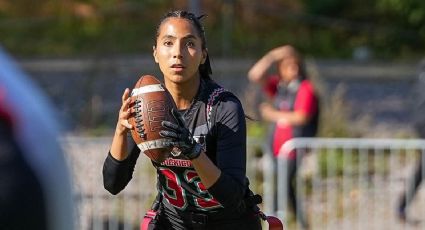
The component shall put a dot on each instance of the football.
(151, 104)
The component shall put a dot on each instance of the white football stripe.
(147, 89)
(154, 144)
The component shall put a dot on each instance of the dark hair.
(204, 69)
(303, 71)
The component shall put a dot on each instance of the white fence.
(342, 183)
(347, 183)
(96, 208)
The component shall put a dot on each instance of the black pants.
(292, 166)
(413, 185)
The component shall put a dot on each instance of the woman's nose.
(177, 52)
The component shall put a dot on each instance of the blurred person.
(415, 180)
(291, 105)
(35, 190)
(204, 185)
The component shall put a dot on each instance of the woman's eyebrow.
(189, 36)
(168, 37)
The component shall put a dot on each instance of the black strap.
(157, 202)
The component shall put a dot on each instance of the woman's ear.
(204, 56)
(154, 53)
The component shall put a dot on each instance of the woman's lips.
(177, 67)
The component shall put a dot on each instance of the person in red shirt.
(292, 105)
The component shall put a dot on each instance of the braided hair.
(204, 69)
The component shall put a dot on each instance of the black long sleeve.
(117, 174)
(230, 188)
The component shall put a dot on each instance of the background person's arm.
(258, 71)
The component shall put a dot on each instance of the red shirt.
(304, 101)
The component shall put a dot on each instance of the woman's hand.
(258, 71)
(269, 113)
(124, 113)
(181, 137)
(119, 142)
(280, 53)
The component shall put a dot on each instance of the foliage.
(330, 28)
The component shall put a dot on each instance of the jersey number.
(177, 196)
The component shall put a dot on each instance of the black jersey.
(217, 121)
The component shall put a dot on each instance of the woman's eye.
(190, 44)
(168, 43)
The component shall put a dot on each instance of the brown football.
(151, 104)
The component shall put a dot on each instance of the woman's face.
(289, 69)
(178, 50)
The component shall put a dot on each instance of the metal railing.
(96, 208)
(341, 184)
(346, 183)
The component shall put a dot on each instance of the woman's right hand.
(123, 125)
(119, 142)
(280, 53)
(258, 71)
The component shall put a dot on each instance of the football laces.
(139, 118)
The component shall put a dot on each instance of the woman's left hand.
(181, 137)
(267, 111)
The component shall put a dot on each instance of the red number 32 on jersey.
(179, 197)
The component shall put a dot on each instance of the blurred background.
(84, 53)
(362, 56)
